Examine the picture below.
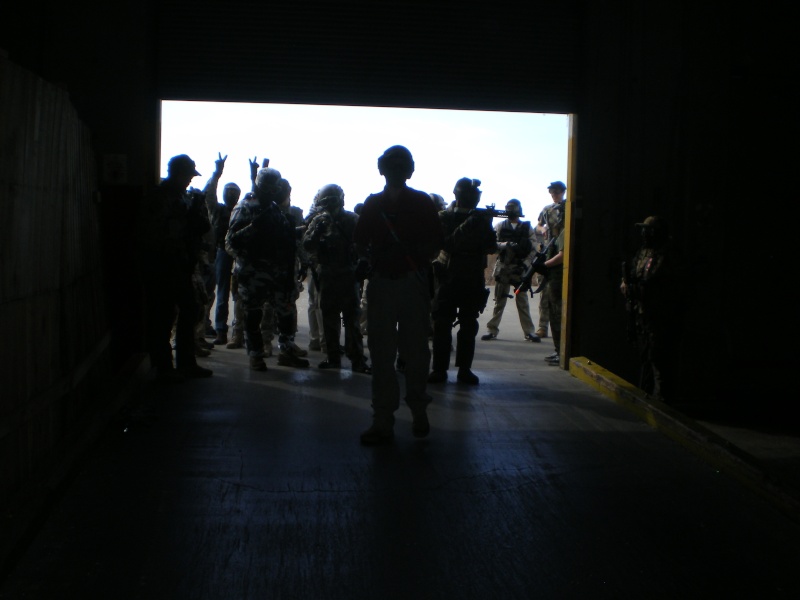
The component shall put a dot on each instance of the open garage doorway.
(513, 154)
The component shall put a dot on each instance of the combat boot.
(465, 375)
(236, 342)
(420, 426)
(221, 339)
(437, 377)
(205, 344)
(380, 432)
(330, 364)
(296, 350)
(287, 359)
(286, 355)
(361, 367)
(257, 363)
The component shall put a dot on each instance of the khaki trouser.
(400, 321)
(501, 292)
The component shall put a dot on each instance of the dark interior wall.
(103, 55)
(421, 54)
(682, 114)
(633, 160)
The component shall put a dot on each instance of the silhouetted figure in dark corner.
(648, 286)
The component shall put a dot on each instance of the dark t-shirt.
(400, 230)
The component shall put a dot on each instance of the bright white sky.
(515, 155)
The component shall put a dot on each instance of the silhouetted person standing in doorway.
(399, 230)
(173, 225)
(460, 290)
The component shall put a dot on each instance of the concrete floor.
(532, 485)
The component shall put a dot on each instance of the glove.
(540, 268)
(323, 224)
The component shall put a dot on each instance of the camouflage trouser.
(553, 292)
(362, 321)
(275, 288)
(544, 304)
(203, 300)
(657, 348)
(340, 307)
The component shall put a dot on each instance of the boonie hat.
(653, 221)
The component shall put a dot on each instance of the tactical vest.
(520, 236)
(469, 257)
(517, 235)
(273, 240)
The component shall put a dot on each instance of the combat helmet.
(467, 192)
(514, 203)
(396, 161)
(329, 197)
(267, 180)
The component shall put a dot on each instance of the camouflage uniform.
(554, 219)
(460, 287)
(316, 338)
(261, 239)
(203, 278)
(544, 305)
(329, 241)
(650, 287)
(237, 326)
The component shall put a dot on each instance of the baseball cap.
(557, 184)
(182, 162)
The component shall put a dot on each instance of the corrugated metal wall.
(506, 56)
(53, 323)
